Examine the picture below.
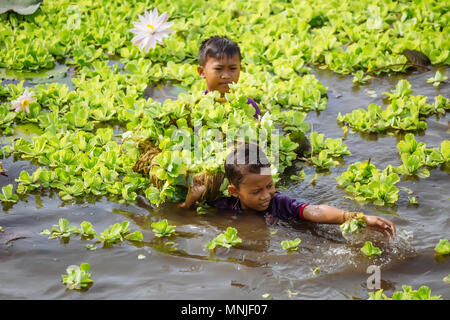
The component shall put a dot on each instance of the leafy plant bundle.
(416, 157)
(326, 150)
(344, 37)
(227, 239)
(443, 247)
(404, 113)
(62, 230)
(370, 250)
(77, 277)
(290, 245)
(188, 139)
(423, 293)
(367, 183)
(163, 229)
(116, 232)
(354, 225)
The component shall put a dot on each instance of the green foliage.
(423, 293)
(114, 233)
(443, 247)
(7, 194)
(291, 245)
(416, 157)
(404, 113)
(77, 277)
(227, 239)
(354, 225)
(367, 183)
(163, 229)
(437, 79)
(61, 230)
(370, 250)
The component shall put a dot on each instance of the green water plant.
(416, 157)
(360, 78)
(163, 229)
(367, 183)
(8, 195)
(423, 293)
(370, 250)
(355, 224)
(227, 239)
(437, 79)
(446, 279)
(404, 113)
(87, 230)
(119, 232)
(443, 247)
(291, 245)
(61, 230)
(78, 277)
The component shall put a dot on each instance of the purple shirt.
(249, 101)
(281, 206)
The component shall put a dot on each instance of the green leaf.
(370, 250)
(227, 239)
(162, 228)
(443, 247)
(291, 245)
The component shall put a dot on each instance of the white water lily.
(22, 103)
(151, 29)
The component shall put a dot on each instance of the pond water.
(32, 265)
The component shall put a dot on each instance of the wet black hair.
(244, 159)
(217, 47)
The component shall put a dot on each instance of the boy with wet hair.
(219, 60)
(252, 190)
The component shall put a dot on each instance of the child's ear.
(201, 71)
(233, 190)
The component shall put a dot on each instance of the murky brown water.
(31, 267)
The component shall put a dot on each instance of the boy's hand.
(382, 225)
(193, 195)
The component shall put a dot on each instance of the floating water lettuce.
(443, 247)
(405, 112)
(61, 230)
(227, 239)
(416, 157)
(367, 183)
(290, 245)
(163, 229)
(7, 194)
(370, 250)
(423, 293)
(437, 79)
(360, 78)
(446, 279)
(77, 277)
(119, 232)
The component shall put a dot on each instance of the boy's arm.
(327, 214)
(192, 197)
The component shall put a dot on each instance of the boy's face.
(255, 191)
(219, 73)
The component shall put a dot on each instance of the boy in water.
(251, 186)
(219, 62)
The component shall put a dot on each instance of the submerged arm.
(327, 214)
